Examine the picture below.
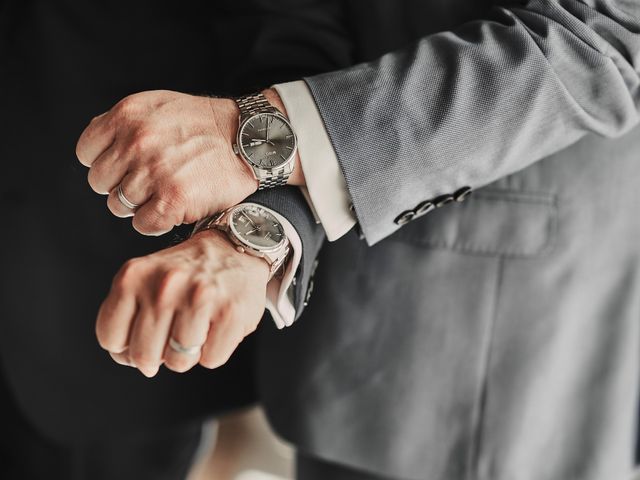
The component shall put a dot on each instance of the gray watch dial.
(267, 141)
(257, 227)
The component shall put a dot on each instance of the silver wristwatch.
(253, 229)
(265, 140)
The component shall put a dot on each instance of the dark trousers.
(312, 468)
(27, 455)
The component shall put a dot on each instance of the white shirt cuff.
(326, 186)
(279, 301)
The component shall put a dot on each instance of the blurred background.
(246, 449)
(71, 411)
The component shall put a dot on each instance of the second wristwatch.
(254, 230)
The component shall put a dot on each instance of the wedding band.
(179, 348)
(124, 200)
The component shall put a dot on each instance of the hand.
(200, 292)
(172, 153)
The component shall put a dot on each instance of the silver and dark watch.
(265, 141)
(254, 230)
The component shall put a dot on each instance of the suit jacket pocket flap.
(491, 222)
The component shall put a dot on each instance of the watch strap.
(254, 104)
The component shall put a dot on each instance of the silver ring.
(179, 348)
(124, 200)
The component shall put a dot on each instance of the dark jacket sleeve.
(290, 203)
(469, 106)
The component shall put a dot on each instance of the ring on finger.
(179, 348)
(124, 200)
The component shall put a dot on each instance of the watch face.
(256, 227)
(267, 141)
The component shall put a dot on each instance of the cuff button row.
(427, 206)
(462, 194)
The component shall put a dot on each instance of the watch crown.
(235, 149)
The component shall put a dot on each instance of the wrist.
(226, 114)
(214, 242)
(297, 176)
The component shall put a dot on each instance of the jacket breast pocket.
(493, 221)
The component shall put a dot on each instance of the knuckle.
(217, 359)
(249, 327)
(128, 273)
(80, 152)
(127, 106)
(94, 177)
(166, 211)
(104, 339)
(151, 222)
(211, 362)
(142, 358)
(142, 141)
(173, 196)
(179, 363)
(202, 294)
(162, 208)
(131, 268)
(95, 118)
(168, 285)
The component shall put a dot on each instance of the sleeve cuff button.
(405, 217)
(462, 194)
(424, 208)
(443, 200)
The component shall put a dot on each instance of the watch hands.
(259, 141)
(251, 221)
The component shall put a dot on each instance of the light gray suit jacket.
(497, 338)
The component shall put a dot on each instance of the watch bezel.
(245, 157)
(238, 236)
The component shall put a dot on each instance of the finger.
(190, 329)
(122, 358)
(114, 320)
(225, 334)
(158, 216)
(135, 190)
(95, 139)
(149, 335)
(107, 170)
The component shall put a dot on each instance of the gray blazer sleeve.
(289, 202)
(469, 106)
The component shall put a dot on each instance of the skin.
(200, 292)
(173, 155)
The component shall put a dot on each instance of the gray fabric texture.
(471, 105)
(498, 338)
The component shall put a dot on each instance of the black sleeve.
(290, 203)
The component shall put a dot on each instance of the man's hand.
(202, 292)
(172, 155)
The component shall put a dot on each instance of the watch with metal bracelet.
(265, 140)
(253, 229)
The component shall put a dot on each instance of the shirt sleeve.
(279, 298)
(326, 189)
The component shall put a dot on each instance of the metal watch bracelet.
(249, 106)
